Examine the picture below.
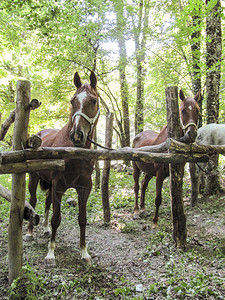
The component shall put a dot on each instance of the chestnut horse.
(189, 111)
(77, 174)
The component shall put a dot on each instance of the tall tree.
(196, 54)
(213, 58)
(140, 27)
(120, 29)
(213, 64)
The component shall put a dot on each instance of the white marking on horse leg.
(50, 258)
(29, 236)
(85, 255)
(47, 229)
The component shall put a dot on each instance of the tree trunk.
(176, 171)
(125, 134)
(106, 169)
(15, 242)
(5, 126)
(196, 86)
(97, 168)
(140, 38)
(213, 64)
(196, 61)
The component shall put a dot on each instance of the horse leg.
(83, 194)
(55, 222)
(144, 186)
(33, 183)
(160, 176)
(194, 183)
(48, 202)
(136, 175)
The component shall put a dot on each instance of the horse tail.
(44, 185)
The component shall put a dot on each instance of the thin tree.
(120, 29)
(140, 38)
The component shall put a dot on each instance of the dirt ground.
(130, 260)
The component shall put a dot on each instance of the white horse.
(211, 134)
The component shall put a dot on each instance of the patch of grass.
(28, 286)
(199, 286)
(130, 226)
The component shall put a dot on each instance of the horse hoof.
(28, 237)
(50, 262)
(154, 226)
(143, 214)
(87, 260)
(47, 234)
(136, 216)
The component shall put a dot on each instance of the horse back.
(150, 138)
(144, 138)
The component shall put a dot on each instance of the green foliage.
(201, 286)
(28, 286)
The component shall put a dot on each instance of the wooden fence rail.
(145, 154)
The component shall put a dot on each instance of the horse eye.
(94, 101)
(183, 111)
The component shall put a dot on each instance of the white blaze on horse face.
(80, 98)
(190, 107)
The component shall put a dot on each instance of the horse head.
(85, 110)
(189, 111)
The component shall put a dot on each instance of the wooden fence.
(19, 161)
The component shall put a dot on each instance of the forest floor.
(130, 260)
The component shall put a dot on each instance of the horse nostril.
(80, 135)
(192, 135)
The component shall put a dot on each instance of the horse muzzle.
(78, 138)
(189, 137)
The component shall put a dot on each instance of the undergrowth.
(181, 275)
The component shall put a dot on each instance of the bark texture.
(15, 241)
(140, 38)
(176, 171)
(121, 26)
(106, 169)
(213, 64)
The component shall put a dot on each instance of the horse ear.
(181, 95)
(93, 80)
(76, 80)
(197, 96)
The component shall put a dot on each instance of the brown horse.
(189, 111)
(82, 120)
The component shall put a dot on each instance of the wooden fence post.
(176, 170)
(106, 169)
(15, 242)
